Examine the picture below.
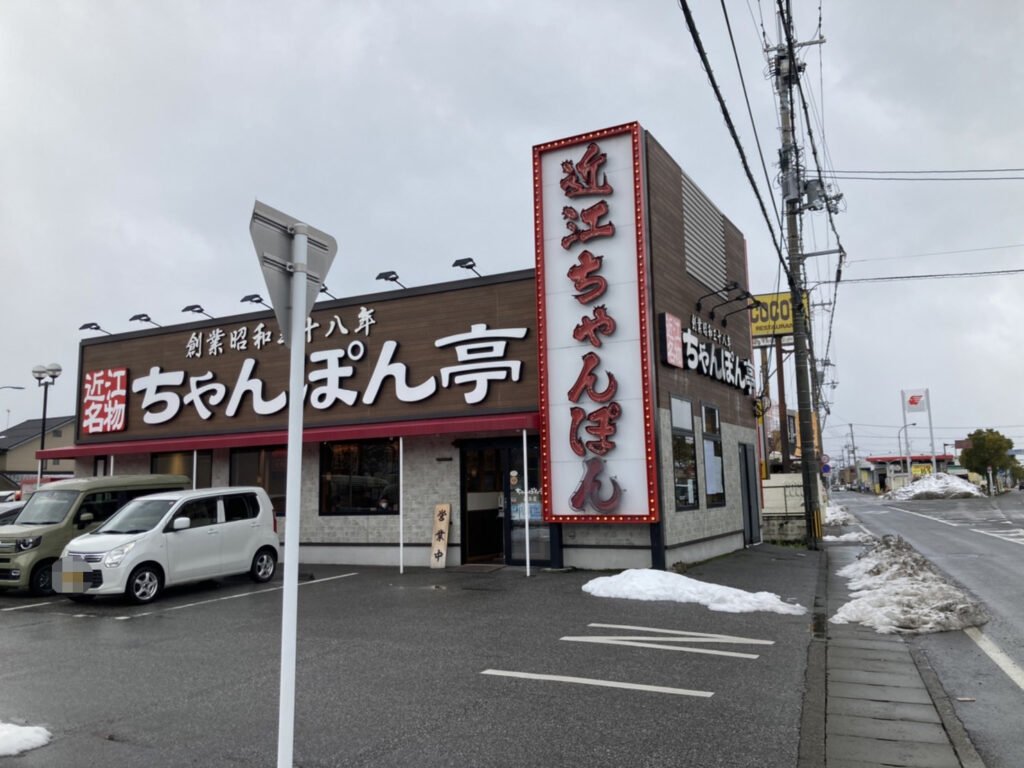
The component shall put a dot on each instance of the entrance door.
(483, 504)
(495, 503)
(748, 489)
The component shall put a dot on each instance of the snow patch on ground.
(15, 739)
(864, 538)
(649, 584)
(838, 515)
(895, 590)
(937, 486)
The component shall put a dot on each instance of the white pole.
(526, 500)
(401, 505)
(931, 432)
(195, 467)
(293, 497)
(111, 464)
(903, 410)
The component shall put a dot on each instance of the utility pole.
(853, 450)
(787, 72)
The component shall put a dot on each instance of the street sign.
(825, 458)
(272, 233)
(295, 259)
(826, 468)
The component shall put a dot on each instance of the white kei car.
(172, 538)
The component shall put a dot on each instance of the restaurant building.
(597, 409)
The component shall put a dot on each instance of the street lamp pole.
(899, 446)
(45, 376)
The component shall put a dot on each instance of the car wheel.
(144, 584)
(263, 565)
(41, 581)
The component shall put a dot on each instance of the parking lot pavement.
(428, 668)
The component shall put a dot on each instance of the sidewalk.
(884, 706)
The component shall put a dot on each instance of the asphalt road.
(391, 673)
(977, 544)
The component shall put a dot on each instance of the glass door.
(496, 501)
(524, 502)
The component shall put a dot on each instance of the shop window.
(684, 454)
(714, 466)
(180, 463)
(263, 467)
(359, 478)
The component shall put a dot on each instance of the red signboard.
(594, 329)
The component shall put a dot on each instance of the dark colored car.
(9, 511)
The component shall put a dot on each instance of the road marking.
(683, 632)
(227, 597)
(657, 646)
(994, 652)
(599, 683)
(927, 517)
(1014, 537)
(23, 607)
(657, 641)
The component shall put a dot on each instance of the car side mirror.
(181, 523)
(85, 518)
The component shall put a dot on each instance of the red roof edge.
(414, 428)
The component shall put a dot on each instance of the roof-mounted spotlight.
(142, 317)
(753, 305)
(94, 327)
(323, 289)
(391, 276)
(255, 298)
(466, 263)
(197, 309)
(741, 296)
(732, 285)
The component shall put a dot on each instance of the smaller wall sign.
(104, 401)
(439, 538)
(682, 348)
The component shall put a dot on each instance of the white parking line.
(994, 652)
(694, 636)
(599, 683)
(231, 597)
(23, 607)
(636, 642)
(660, 637)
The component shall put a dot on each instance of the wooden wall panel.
(414, 319)
(676, 292)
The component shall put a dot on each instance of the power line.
(835, 175)
(939, 253)
(938, 276)
(695, 35)
(750, 113)
(947, 170)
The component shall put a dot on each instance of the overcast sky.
(135, 136)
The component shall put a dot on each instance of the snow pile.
(863, 538)
(937, 486)
(837, 515)
(896, 590)
(648, 584)
(15, 739)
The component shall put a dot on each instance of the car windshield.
(47, 507)
(136, 516)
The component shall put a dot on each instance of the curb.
(883, 704)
